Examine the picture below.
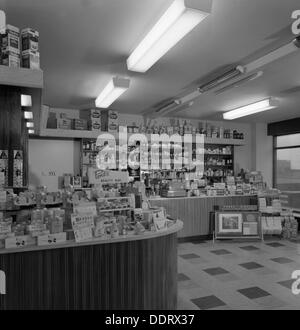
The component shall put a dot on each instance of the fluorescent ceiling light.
(29, 124)
(26, 100)
(173, 25)
(113, 90)
(278, 53)
(2, 21)
(31, 131)
(28, 115)
(251, 109)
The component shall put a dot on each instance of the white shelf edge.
(51, 132)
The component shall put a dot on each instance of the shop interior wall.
(63, 156)
(50, 159)
(262, 151)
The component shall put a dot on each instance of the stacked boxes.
(290, 227)
(10, 47)
(63, 122)
(110, 121)
(30, 49)
(95, 120)
(79, 124)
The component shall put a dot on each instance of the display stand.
(238, 225)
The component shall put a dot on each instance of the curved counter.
(137, 272)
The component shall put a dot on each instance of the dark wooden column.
(13, 131)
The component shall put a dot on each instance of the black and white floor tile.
(234, 275)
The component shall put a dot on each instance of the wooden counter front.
(195, 211)
(126, 274)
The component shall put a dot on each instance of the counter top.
(195, 197)
(122, 239)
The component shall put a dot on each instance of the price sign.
(19, 242)
(107, 177)
(52, 239)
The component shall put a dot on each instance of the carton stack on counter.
(30, 49)
(10, 47)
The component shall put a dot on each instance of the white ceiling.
(85, 42)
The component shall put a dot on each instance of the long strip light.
(276, 54)
(251, 109)
(113, 90)
(173, 25)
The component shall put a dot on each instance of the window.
(287, 167)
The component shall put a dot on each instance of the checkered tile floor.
(237, 275)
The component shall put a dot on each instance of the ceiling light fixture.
(251, 109)
(190, 97)
(173, 25)
(113, 90)
(28, 115)
(231, 74)
(31, 131)
(278, 53)
(26, 100)
(239, 82)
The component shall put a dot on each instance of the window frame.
(275, 148)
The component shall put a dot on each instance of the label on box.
(19, 242)
(51, 239)
(95, 113)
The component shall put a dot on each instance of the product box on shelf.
(10, 58)
(79, 124)
(109, 121)
(64, 123)
(95, 114)
(10, 40)
(30, 39)
(31, 59)
(95, 124)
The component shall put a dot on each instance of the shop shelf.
(21, 77)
